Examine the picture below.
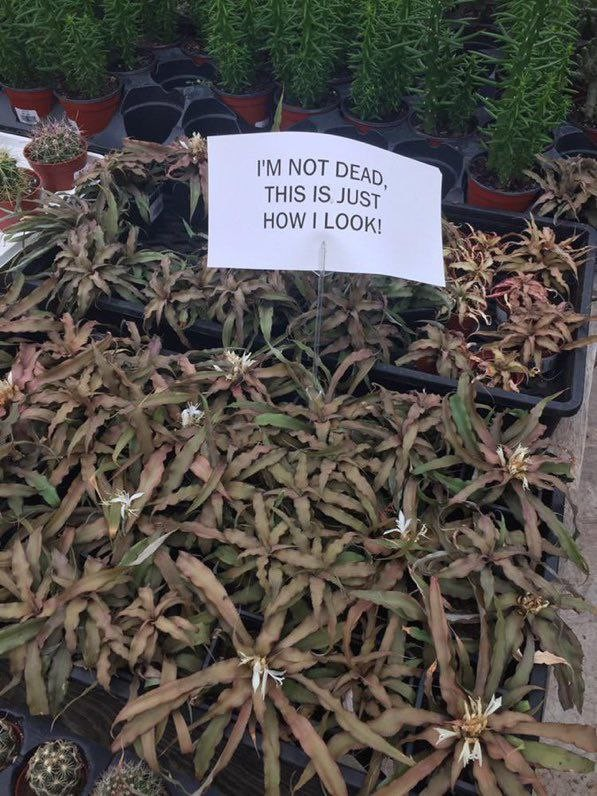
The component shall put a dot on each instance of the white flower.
(402, 525)
(495, 703)
(515, 463)
(234, 365)
(261, 672)
(197, 146)
(191, 416)
(445, 734)
(405, 531)
(471, 750)
(126, 501)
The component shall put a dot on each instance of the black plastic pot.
(150, 113)
(209, 117)
(572, 144)
(447, 159)
(182, 73)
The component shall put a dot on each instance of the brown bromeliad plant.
(171, 494)
(289, 551)
(568, 188)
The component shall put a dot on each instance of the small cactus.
(15, 182)
(130, 779)
(10, 743)
(56, 768)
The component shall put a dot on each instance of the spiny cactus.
(55, 141)
(14, 182)
(130, 779)
(56, 769)
(10, 743)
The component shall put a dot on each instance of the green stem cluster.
(232, 39)
(123, 29)
(384, 59)
(538, 39)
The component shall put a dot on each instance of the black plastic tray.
(573, 363)
(38, 730)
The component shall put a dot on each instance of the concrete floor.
(584, 494)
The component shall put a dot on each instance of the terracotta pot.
(197, 56)
(437, 140)
(481, 195)
(255, 108)
(57, 176)
(30, 104)
(293, 114)
(364, 126)
(92, 116)
(27, 204)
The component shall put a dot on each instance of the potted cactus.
(19, 190)
(56, 768)
(55, 153)
(11, 739)
(232, 40)
(89, 94)
(130, 779)
(21, 67)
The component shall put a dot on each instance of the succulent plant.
(130, 779)
(497, 368)
(55, 141)
(521, 291)
(10, 743)
(569, 188)
(541, 331)
(537, 250)
(440, 349)
(56, 768)
(15, 182)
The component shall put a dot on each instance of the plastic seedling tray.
(570, 378)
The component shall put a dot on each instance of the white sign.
(274, 198)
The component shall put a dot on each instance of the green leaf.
(44, 487)
(143, 550)
(395, 601)
(553, 757)
(16, 635)
(281, 421)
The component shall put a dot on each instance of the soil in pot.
(484, 189)
(30, 104)
(142, 67)
(10, 212)
(441, 137)
(93, 115)
(193, 50)
(58, 176)
(578, 119)
(293, 114)
(255, 107)
(365, 126)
